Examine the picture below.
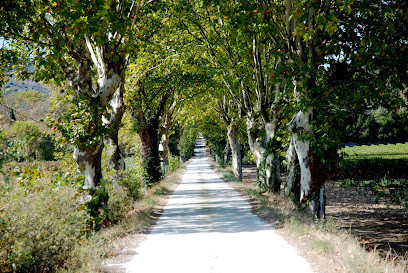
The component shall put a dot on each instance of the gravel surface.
(206, 226)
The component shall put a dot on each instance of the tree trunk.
(166, 152)
(236, 150)
(313, 173)
(299, 124)
(272, 161)
(227, 152)
(292, 186)
(267, 160)
(149, 139)
(88, 161)
(258, 151)
(116, 160)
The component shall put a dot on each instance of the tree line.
(287, 73)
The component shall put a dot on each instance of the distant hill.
(19, 86)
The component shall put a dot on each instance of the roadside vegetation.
(44, 224)
(45, 215)
(326, 245)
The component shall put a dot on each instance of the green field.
(389, 151)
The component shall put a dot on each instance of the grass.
(324, 244)
(388, 151)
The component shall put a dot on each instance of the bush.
(132, 178)
(40, 224)
(27, 136)
(46, 149)
(119, 203)
(249, 158)
(392, 190)
(372, 168)
(174, 163)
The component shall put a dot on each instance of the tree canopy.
(264, 76)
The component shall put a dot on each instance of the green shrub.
(378, 125)
(391, 190)
(40, 224)
(372, 168)
(46, 148)
(133, 177)
(174, 163)
(132, 182)
(249, 158)
(27, 137)
(120, 202)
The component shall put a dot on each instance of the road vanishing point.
(208, 227)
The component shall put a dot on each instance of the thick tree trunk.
(236, 150)
(267, 161)
(313, 173)
(258, 152)
(150, 152)
(299, 124)
(88, 161)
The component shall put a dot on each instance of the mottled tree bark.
(235, 149)
(313, 172)
(149, 140)
(291, 184)
(89, 164)
(227, 151)
(267, 160)
(116, 159)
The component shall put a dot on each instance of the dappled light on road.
(208, 227)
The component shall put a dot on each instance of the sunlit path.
(208, 227)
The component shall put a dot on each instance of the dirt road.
(208, 227)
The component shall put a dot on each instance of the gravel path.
(208, 227)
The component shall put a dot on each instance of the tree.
(88, 45)
(242, 45)
(232, 122)
(334, 54)
(152, 83)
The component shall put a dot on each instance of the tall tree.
(153, 83)
(88, 45)
(238, 39)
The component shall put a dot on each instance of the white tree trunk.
(116, 158)
(165, 143)
(299, 124)
(272, 162)
(88, 161)
(254, 145)
(236, 150)
(257, 150)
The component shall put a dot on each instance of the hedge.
(371, 168)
